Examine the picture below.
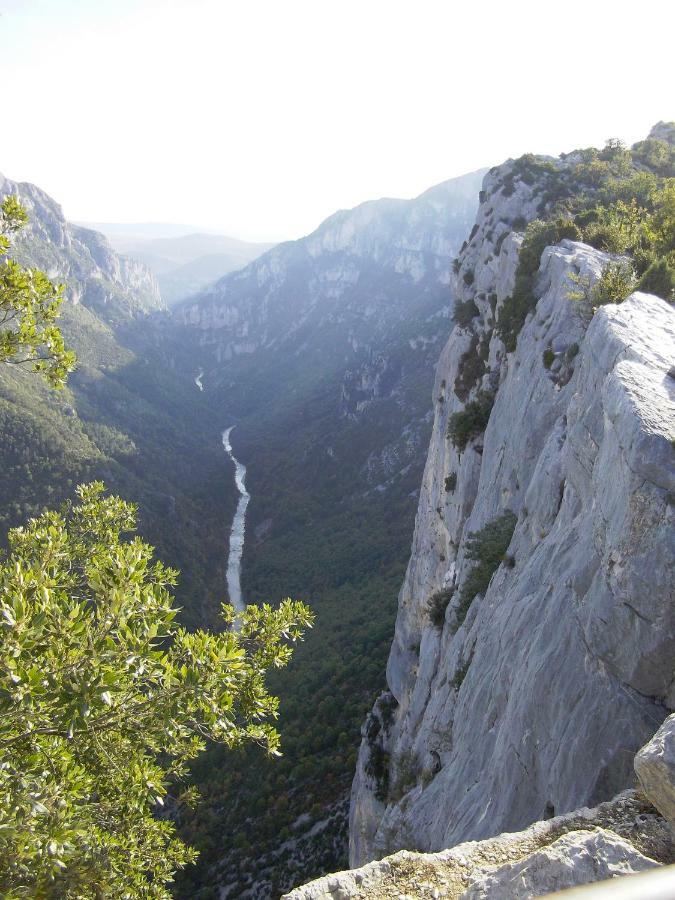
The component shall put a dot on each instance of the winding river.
(238, 530)
(238, 527)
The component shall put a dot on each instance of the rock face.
(114, 286)
(337, 293)
(623, 837)
(532, 698)
(655, 767)
(576, 858)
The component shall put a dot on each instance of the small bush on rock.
(437, 605)
(470, 370)
(464, 312)
(615, 284)
(460, 675)
(487, 548)
(465, 425)
(659, 279)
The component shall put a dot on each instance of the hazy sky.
(262, 117)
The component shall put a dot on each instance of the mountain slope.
(126, 415)
(535, 634)
(95, 276)
(322, 352)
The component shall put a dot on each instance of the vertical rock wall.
(534, 701)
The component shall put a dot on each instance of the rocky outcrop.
(345, 290)
(535, 636)
(655, 767)
(618, 838)
(114, 286)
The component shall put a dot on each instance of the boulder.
(580, 857)
(655, 767)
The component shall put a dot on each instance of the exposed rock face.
(655, 767)
(344, 291)
(618, 838)
(94, 275)
(580, 857)
(534, 699)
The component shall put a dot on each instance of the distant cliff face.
(346, 289)
(114, 286)
(550, 477)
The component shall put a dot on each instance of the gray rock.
(538, 702)
(618, 838)
(580, 857)
(655, 767)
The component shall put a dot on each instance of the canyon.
(389, 382)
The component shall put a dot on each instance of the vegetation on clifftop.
(619, 200)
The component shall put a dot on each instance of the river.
(238, 529)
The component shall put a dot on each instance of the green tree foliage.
(437, 605)
(104, 700)
(616, 282)
(659, 279)
(29, 307)
(618, 200)
(471, 421)
(486, 548)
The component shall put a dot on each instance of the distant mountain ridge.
(184, 261)
(387, 252)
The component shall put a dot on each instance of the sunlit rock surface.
(538, 701)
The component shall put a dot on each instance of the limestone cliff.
(529, 697)
(362, 280)
(114, 286)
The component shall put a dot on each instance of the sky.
(260, 118)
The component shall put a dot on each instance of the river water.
(238, 527)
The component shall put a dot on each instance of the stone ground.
(450, 873)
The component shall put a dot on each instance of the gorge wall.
(94, 275)
(529, 697)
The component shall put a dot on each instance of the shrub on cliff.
(471, 421)
(659, 279)
(616, 282)
(487, 548)
(104, 701)
(464, 312)
(515, 308)
(437, 605)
